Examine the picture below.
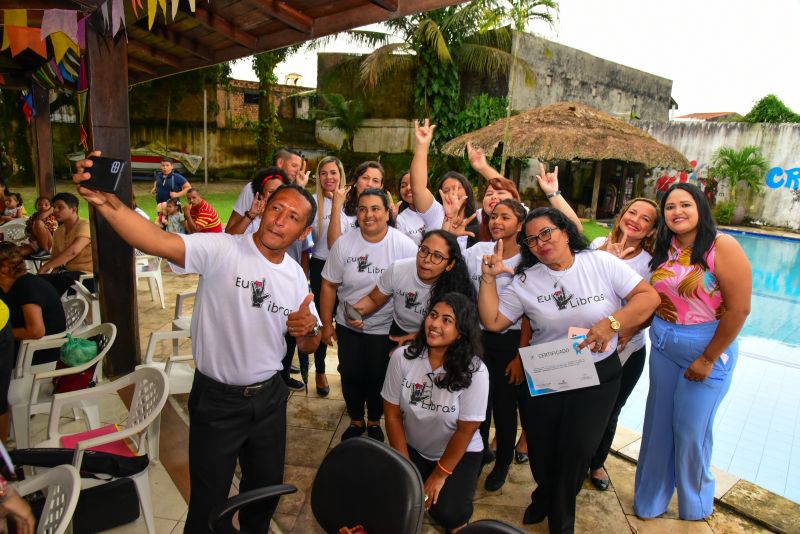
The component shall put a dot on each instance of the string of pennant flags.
(66, 30)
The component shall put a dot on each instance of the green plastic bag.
(77, 351)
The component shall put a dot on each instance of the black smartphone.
(106, 174)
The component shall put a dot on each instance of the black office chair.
(360, 482)
(490, 526)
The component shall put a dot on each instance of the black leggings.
(363, 359)
(504, 398)
(631, 372)
(315, 266)
(564, 430)
(453, 508)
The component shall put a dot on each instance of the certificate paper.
(558, 366)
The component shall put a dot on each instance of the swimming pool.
(771, 329)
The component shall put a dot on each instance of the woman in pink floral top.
(704, 281)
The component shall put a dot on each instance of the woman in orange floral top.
(704, 281)
(39, 228)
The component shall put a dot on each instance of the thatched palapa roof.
(571, 131)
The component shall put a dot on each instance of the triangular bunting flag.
(56, 70)
(117, 16)
(62, 43)
(27, 104)
(151, 13)
(82, 33)
(175, 4)
(12, 17)
(60, 20)
(22, 38)
(134, 4)
(65, 74)
(163, 4)
(104, 11)
(191, 5)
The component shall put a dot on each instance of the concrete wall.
(568, 74)
(778, 205)
(393, 136)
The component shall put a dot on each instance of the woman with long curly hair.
(412, 283)
(344, 211)
(434, 397)
(704, 281)
(631, 239)
(559, 283)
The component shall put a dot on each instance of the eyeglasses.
(435, 257)
(542, 237)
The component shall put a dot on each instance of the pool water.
(757, 428)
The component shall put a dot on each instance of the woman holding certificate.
(435, 396)
(354, 265)
(562, 286)
(705, 282)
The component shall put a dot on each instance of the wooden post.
(598, 171)
(43, 142)
(205, 138)
(109, 131)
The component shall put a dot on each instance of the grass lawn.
(221, 195)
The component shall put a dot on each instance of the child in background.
(14, 208)
(176, 221)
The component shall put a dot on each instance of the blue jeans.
(677, 438)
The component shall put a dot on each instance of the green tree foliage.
(441, 45)
(479, 112)
(16, 157)
(771, 109)
(267, 129)
(746, 165)
(347, 116)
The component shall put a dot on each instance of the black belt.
(243, 391)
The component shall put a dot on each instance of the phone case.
(106, 174)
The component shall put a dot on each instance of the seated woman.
(435, 400)
(34, 305)
(40, 228)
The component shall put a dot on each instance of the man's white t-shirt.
(412, 224)
(320, 236)
(244, 200)
(474, 258)
(356, 264)
(243, 300)
(641, 264)
(431, 413)
(591, 289)
(409, 294)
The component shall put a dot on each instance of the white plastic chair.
(14, 231)
(31, 392)
(151, 390)
(75, 310)
(149, 267)
(62, 485)
(93, 318)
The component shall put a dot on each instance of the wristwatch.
(615, 326)
(314, 331)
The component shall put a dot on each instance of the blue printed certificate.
(558, 366)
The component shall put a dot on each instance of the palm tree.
(746, 165)
(347, 116)
(438, 46)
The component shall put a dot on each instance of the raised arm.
(548, 182)
(242, 222)
(422, 196)
(477, 160)
(488, 300)
(335, 223)
(131, 227)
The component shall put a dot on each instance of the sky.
(722, 55)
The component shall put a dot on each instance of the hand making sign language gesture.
(618, 249)
(453, 222)
(493, 264)
(303, 175)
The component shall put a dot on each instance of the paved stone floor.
(316, 424)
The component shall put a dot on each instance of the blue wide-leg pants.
(677, 435)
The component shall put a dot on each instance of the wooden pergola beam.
(388, 5)
(181, 41)
(225, 27)
(141, 67)
(285, 13)
(155, 53)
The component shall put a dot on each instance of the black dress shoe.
(323, 391)
(295, 384)
(533, 515)
(488, 456)
(600, 483)
(520, 457)
(375, 432)
(497, 477)
(294, 369)
(353, 431)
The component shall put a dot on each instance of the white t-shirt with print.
(431, 413)
(434, 217)
(474, 258)
(641, 264)
(412, 224)
(591, 289)
(243, 300)
(347, 222)
(356, 264)
(410, 295)
(244, 200)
